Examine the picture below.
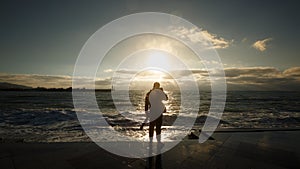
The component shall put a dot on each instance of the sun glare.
(159, 60)
(146, 78)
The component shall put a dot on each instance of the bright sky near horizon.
(256, 40)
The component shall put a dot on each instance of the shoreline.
(194, 133)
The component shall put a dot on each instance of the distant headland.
(4, 86)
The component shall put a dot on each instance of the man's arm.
(147, 103)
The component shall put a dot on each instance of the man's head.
(156, 85)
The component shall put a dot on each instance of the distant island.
(4, 86)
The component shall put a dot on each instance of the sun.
(158, 59)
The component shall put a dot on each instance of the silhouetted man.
(153, 101)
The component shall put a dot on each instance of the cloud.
(107, 70)
(292, 72)
(204, 37)
(53, 81)
(263, 78)
(261, 45)
(35, 80)
(251, 71)
(217, 42)
(127, 71)
(251, 78)
(103, 83)
(242, 78)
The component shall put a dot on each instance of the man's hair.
(156, 85)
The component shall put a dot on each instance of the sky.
(257, 41)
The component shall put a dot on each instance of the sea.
(50, 116)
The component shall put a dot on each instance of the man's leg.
(158, 125)
(158, 133)
(151, 128)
